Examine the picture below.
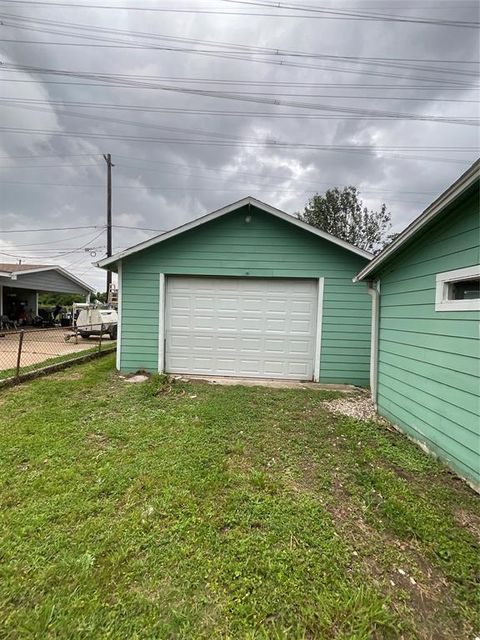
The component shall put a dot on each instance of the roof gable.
(224, 211)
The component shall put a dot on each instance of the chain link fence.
(27, 350)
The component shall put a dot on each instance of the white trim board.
(463, 183)
(119, 314)
(228, 209)
(318, 337)
(442, 302)
(311, 293)
(161, 323)
(374, 292)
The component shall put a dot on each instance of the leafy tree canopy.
(66, 299)
(341, 213)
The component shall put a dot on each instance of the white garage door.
(251, 327)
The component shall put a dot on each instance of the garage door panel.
(276, 325)
(250, 344)
(302, 307)
(227, 366)
(204, 303)
(252, 304)
(179, 321)
(226, 342)
(243, 327)
(300, 347)
(274, 369)
(297, 370)
(179, 340)
(300, 326)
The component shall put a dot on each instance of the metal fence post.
(19, 354)
(100, 341)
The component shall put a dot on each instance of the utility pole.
(108, 160)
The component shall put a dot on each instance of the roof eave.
(454, 191)
(61, 270)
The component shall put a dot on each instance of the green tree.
(341, 213)
(391, 237)
(66, 299)
(63, 299)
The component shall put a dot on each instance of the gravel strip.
(358, 407)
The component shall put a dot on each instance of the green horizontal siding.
(267, 247)
(429, 361)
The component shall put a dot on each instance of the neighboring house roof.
(9, 270)
(454, 191)
(223, 211)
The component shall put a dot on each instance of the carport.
(21, 284)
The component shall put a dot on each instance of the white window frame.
(442, 302)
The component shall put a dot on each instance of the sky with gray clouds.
(202, 102)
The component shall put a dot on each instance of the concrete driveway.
(39, 345)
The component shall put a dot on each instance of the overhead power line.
(110, 79)
(398, 63)
(28, 101)
(169, 109)
(232, 177)
(58, 255)
(251, 82)
(216, 171)
(47, 166)
(182, 189)
(218, 49)
(358, 15)
(50, 241)
(228, 113)
(88, 226)
(320, 13)
(358, 149)
(103, 227)
(51, 155)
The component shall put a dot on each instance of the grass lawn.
(154, 511)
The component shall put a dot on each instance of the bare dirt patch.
(470, 521)
(68, 374)
(397, 566)
(100, 440)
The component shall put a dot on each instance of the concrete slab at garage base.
(272, 384)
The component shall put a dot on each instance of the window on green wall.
(458, 290)
(465, 289)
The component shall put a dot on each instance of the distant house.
(248, 291)
(425, 348)
(20, 284)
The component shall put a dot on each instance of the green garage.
(244, 291)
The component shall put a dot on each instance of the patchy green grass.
(186, 510)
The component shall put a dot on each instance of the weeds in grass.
(169, 509)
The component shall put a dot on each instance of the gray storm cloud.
(53, 173)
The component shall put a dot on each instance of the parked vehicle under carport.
(94, 320)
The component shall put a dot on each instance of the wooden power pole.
(108, 160)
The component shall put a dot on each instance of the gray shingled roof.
(10, 268)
